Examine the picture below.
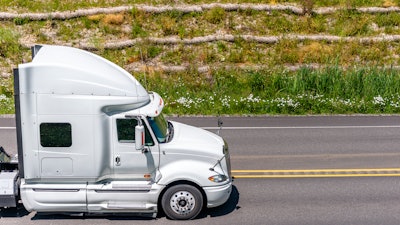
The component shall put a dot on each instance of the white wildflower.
(378, 100)
(226, 101)
(186, 102)
(286, 102)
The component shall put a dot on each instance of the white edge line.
(311, 127)
(8, 128)
(266, 128)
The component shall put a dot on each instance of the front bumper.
(218, 195)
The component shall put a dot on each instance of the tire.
(182, 202)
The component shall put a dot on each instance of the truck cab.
(91, 139)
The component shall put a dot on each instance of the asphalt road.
(313, 142)
(291, 144)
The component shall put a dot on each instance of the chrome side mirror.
(139, 137)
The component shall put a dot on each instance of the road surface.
(289, 170)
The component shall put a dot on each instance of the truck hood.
(192, 140)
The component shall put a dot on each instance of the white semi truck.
(91, 139)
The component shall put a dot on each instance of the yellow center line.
(317, 173)
(314, 170)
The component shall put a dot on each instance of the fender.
(194, 171)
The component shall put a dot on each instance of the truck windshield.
(159, 125)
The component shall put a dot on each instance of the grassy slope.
(62, 5)
(270, 88)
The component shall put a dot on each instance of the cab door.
(133, 172)
(129, 163)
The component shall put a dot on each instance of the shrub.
(308, 6)
(215, 15)
(9, 45)
(114, 19)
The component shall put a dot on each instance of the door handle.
(118, 161)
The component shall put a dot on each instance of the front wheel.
(182, 202)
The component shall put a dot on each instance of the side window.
(55, 135)
(126, 131)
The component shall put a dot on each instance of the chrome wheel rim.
(182, 202)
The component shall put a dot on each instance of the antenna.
(220, 123)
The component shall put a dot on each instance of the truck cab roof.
(67, 70)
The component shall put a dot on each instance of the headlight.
(218, 178)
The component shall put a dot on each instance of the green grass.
(9, 46)
(6, 96)
(330, 90)
(326, 91)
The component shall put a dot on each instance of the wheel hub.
(182, 202)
